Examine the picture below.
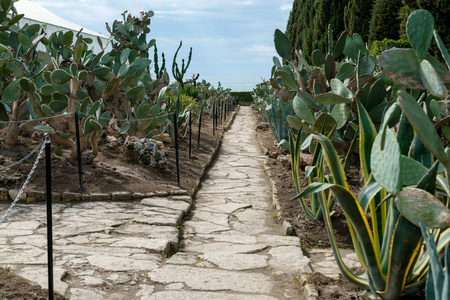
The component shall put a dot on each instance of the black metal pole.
(225, 110)
(200, 124)
(221, 111)
(80, 171)
(190, 133)
(214, 118)
(48, 185)
(175, 129)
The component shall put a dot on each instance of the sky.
(232, 40)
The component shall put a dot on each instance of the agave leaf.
(367, 134)
(435, 278)
(422, 126)
(419, 206)
(404, 244)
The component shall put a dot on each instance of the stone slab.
(204, 279)
(114, 263)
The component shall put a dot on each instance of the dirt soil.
(113, 170)
(16, 287)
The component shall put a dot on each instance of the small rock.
(306, 159)
(121, 196)
(273, 154)
(262, 126)
(13, 194)
(111, 139)
(285, 161)
(100, 197)
(68, 197)
(159, 144)
(3, 194)
(34, 196)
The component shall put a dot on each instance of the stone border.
(309, 290)
(34, 196)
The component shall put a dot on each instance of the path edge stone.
(308, 289)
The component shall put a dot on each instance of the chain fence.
(30, 175)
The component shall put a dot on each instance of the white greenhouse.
(36, 14)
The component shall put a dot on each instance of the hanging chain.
(19, 195)
(21, 160)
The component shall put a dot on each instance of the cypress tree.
(356, 16)
(384, 22)
(308, 23)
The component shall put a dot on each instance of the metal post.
(200, 124)
(175, 129)
(190, 133)
(214, 118)
(77, 133)
(225, 111)
(48, 185)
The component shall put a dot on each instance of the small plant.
(7, 268)
(147, 152)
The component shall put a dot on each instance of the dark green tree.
(308, 23)
(356, 16)
(327, 12)
(384, 22)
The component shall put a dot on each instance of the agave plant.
(388, 245)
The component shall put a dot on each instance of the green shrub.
(386, 44)
(243, 96)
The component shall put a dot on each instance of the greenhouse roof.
(35, 12)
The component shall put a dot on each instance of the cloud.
(286, 7)
(260, 49)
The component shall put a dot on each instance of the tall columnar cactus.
(159, 71)
(177, 73)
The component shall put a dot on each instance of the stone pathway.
(230, 246)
